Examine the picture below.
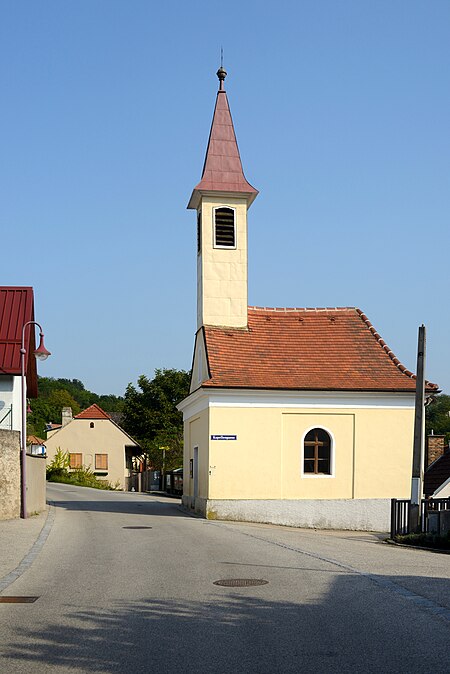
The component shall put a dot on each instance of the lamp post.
(40, 353)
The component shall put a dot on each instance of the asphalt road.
(119, 599)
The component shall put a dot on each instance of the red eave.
(330, 349)
(16, 309)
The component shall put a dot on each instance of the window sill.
(316, 475)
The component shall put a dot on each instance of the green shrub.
(425, 540)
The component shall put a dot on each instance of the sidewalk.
(17, 538)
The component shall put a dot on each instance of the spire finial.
(221, 73)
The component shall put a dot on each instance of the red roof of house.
(34, 440)
(305, 349)
(16, 309)
(93, 412)
(222, 170)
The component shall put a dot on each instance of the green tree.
(48, 409)
(150, 415)
(437, 416)
(54, 394)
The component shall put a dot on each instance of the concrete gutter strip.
(29, 558)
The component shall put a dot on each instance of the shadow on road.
(144, 507)
(351, 628)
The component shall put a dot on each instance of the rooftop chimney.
(435, 447)
(66, 415)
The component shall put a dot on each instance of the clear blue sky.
(341, 111)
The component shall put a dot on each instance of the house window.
(91, 425)
(101, 462)
(199, 232)
(224, 228)
(75, 460)
(317, 452)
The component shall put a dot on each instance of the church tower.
(222, 199)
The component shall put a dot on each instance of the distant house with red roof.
(16, 309)
(296, 416)
(92, 439)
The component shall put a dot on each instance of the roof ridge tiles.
(294, 309)
(389, 351)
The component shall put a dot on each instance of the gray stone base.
(350, 514)
(197, 505)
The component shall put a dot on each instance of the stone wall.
(36, 484)
(9, 474)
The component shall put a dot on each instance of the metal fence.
(402, 509)
(148, 480)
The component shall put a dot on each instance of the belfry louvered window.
(224, 228)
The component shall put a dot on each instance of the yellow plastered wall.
(372, 453)
(196, 435)
(222, 290)
(105, 438)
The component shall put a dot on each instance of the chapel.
(296, 416)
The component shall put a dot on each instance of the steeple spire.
(222, 170)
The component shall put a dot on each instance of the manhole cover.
(240, 582)
(137, 527)
(18, 600)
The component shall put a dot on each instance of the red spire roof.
(222, 170)
(305, 349)
(93, 412)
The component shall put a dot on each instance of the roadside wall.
(36, 497)
(10, 474)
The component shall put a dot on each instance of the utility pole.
(419, 433)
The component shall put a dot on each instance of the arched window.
(317, 452)
(224, 228)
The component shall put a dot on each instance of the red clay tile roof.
(16, 309)
(222, 170)
(305, 349)
(93, 412)
(34, 440)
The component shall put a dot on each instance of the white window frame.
(318, 476)
(231, 208)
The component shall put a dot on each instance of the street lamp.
(40, 353)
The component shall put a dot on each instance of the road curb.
(34, 551)
(389, 541)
